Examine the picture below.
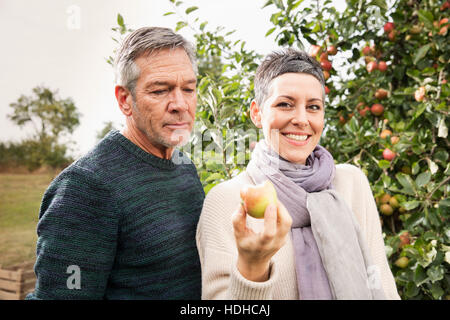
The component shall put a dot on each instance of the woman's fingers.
(270, 223)
(239, 220)
(284, 218)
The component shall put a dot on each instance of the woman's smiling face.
(292, 115)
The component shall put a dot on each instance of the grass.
(20, 199)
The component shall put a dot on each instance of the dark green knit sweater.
(127, 220)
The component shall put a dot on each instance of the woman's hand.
(256, 249)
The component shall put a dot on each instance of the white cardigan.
(218, 253)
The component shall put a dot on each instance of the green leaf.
(168, 13)
(384, 164)
(421, 53)
(423, 179)
(380, 3)
(190, 9)
(180, 25)
(415, 168)
(427, 18)
(409, 205)
(270, 31)
(120, 20)
(406, 181)
(436, 291)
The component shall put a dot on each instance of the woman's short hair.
(146, 40)
(288, 60)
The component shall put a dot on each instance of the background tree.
(51, 118)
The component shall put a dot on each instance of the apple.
(419, 94)
(381, 94)
(389, 27)
(323, 56)
(326, 75)
(366, 51)
(443, 31)
(384, 198)
(388, 154)
(386, 209)
(382, 66)
(391, 35)
(395, 139)
(405, 238)
(256, 198)
(385, 133)
(314, 50)
(326, 65)
(402, 262)
(327, 90)
(371, 66)
(377, 109)
(394, 202)
(364, 111)
(332, 50)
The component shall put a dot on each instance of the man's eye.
(189, 90)
(159, 91)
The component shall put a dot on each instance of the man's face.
(165, 99)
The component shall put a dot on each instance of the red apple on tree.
(332, 50)
(326, 75)
(377, 109)
(419, 94)
(326, 65)
(314, 50)
(381, 94)
(388, 27)
(382, 66)
(371, 66)
(388, 154)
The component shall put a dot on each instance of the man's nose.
(178, 101)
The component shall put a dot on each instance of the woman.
(323, 239)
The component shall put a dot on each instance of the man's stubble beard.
(182, 136)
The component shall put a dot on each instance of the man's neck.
(141, 140)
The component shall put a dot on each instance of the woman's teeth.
(296, 137)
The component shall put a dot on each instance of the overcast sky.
(63, 45)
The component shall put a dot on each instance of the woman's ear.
(255, 114)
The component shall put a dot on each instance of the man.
(120, 222)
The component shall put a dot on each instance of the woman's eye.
(283, 105)
(315, 107)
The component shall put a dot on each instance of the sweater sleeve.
(218, 253)
(77, 235)
(375, 240)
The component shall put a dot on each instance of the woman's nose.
(300, 117)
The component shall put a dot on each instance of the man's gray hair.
(146, 40)
(284, 61)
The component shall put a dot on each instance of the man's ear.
(255, 114)
(125, 100)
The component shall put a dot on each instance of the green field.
(20, 198)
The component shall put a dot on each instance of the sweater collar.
(144, 155)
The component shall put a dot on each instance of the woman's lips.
(296, 141)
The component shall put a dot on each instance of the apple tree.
(386, 65)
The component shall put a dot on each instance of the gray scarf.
(332, 259)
